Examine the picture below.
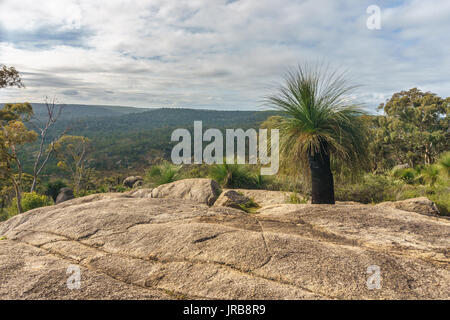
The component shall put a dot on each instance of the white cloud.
(216, 53)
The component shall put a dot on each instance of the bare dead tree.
(54, 110)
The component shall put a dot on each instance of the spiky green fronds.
(318, 111)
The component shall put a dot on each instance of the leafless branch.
(54, 111)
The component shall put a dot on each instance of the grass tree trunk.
(321, 177)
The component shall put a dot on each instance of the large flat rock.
(163, 248)
(265, 197)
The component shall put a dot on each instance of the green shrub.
(250, 206)
(120, 188)
(444, 163)
(439, 194)
(429, 174)
(294, 198)
(99, 189)
(442, 200)
(30, 200)
(407, 174)
(234, 176)
(282, 182)
(378, 188)
(194, 171)
(163, 173)
(372, 188)
(52, 188)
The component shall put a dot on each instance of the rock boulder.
(203, 191)
(141, 193)
(421, 205)
(164, 248)
(232, 199)
(64, 195)
(133, 181)
(265, 198)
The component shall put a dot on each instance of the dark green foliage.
(136, 140)
(429, 174)
(319, 124)
(376, 188)
(234, 176)
(413, 129)
(444, 163)
(165, 172)
(250, 206)
(30, 200)
(370, 189)
(295, 198)
(52, 188)
(408, 174)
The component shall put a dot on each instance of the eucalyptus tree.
(416, 126)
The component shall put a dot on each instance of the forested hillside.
(161, 118)
(79, 111)
(127, 138)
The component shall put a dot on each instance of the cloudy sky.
(217, 54)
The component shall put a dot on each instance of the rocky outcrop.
(421, 205)
(138, 183)
(141, 193)
(133, 181)
(232, 199)
(160, 248)
(265, 198)
(208, 191)
(64, 195)
(203, 191)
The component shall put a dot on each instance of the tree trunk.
(19, 202)
(33, 185)
(3, 206)
(18, 192)
(321, 176)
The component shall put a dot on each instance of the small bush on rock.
(234, 176)
(30, 200)
(163, 173)
(52, 188)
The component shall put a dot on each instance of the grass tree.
(163, 173)
(319, 125)
(444, 163)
